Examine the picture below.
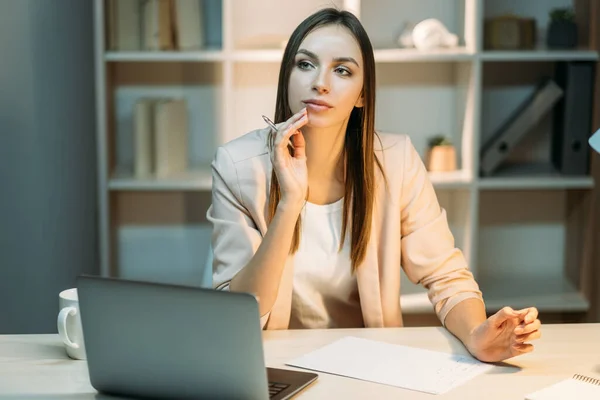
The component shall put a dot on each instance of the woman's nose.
(321, 83)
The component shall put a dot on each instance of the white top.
(325, 293)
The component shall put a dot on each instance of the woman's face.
(327, 77)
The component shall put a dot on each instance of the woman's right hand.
(291, 170)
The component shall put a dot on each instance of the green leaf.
(439, 140)
(562, 14)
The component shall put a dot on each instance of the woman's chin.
(317, 122)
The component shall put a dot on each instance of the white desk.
(36, 366)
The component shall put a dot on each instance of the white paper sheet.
(390, 364)
(567, 389)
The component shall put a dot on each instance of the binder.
(572, 123)
(578, 387)
(526, 116)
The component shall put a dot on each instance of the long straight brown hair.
(359, 153)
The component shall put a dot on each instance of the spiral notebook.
(579, 386)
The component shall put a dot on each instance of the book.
(170, 137)
(143, 163)
(157, 31)
(187, 24)
(123, 23)
(578, 387)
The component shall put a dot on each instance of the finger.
(282, 126)
(529, 336)
(284, 137)
(299, 145)
(521, 348)
(533, 326)
(528, 314)
(504, 314)
(293, 119)
(532, 315)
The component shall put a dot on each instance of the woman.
(331, 256)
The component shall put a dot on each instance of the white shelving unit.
(156, 229)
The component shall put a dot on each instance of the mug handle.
(62, 326)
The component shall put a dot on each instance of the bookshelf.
(516, 229)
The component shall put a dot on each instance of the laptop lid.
(156, 340)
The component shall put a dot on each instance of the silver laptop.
(155, 340)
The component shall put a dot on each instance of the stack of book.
(160, 137)
(155, 25)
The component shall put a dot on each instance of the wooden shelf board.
(539, 55)
(453, 179)
(202, 180)
(266, 55)
(194, 179)
(533, 176)
(165, 56)
(533, 183)
(414, 55)
(381, 55)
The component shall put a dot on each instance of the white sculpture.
(427, 35)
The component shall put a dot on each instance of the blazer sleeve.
(429, 255)
(235, 237)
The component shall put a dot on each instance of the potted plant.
(562, 31)
(441, 156)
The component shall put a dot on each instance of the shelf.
(201, 180)
(536, 182)
(414, 55)
(539, 55)
(266, 55)
(533, 176)
(198, 179)
(463, 92)
(165, 56)
(454, 179)
(548, 293)
(381, 55)
(275, 55)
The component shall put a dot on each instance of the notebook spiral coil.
(587, 379)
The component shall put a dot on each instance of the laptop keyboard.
(275, 388)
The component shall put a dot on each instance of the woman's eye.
(343, 71)
(304, 65)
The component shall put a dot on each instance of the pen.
(272, 125)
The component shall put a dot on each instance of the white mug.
(69, 324)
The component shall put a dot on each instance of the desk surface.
(36, 366)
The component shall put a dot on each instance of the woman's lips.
(317, 106)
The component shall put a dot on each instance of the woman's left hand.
(505, 335)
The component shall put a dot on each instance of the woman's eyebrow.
(338, 59)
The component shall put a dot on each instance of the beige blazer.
(409, 230)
